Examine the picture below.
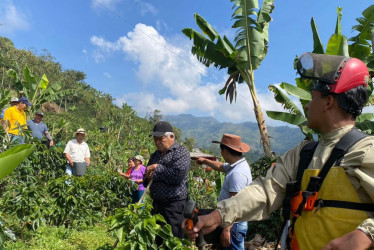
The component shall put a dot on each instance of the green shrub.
(201, 186)
(136, 228)
(37, 193)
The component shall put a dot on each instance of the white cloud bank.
(11, 19)
(160, 64)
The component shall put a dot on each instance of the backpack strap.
(337, 154)
(340, 149)
(306, 155)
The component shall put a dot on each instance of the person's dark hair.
(131, 159)
(353, 100)
(231, 151)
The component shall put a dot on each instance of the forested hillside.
(41, 206)
(206, 129)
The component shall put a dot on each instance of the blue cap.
(25, 101)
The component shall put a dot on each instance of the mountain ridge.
(206, 129)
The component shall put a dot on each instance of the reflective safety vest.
(315, 228)
(325, 205)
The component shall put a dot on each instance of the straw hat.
(80, 131)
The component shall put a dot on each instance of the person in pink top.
(131, 165)
(136, 176)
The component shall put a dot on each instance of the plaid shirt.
(170, 176)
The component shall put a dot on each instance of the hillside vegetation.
(206, 129)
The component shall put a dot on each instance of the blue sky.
(135, 50)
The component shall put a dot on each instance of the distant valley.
(206, 129)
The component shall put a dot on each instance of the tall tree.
(242, 59)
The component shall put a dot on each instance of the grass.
(61, 238)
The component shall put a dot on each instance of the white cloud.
(98, 57)
(147, 8)
(105, 48)
(162, 26)
(161, 64)
(104, 3)
(103, 44)
(84, 51)
(107, 75)
(11, 18)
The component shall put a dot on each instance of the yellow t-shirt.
(14, 115)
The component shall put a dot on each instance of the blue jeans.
(18, 138)
(136, 195)
(238, 232)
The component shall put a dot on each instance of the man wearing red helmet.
(325, 188)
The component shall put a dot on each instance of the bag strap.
(340, 149)
(306, 155)
(368, 207)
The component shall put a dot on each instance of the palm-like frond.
(242, 59)
(283, 99)
(296, 91)
(360, 48)
(317, 44)
(338, 44)
(205, 27)
(252, 36)
(205, 51)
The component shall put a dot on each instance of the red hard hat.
(339, 73)
(353, 74)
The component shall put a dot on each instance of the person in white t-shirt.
(77, 154)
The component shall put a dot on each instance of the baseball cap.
(14, 99)
(161, 128)
(40, 113)
(25, 101)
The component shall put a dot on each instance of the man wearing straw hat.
(238, 176)
(77, 154)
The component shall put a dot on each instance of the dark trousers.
(172, 211)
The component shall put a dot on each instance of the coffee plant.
(136, 228)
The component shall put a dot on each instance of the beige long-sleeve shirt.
(265, 195)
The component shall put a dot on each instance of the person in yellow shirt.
(17, 117)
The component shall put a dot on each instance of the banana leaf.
(317, 44)
(337, 45)
(365, 117)
(11, 158)
(283, 99)
(296, 91)
(294, 119)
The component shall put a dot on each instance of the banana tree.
(4, 98)
(337, 45)
(37, 90)
(242, 59)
